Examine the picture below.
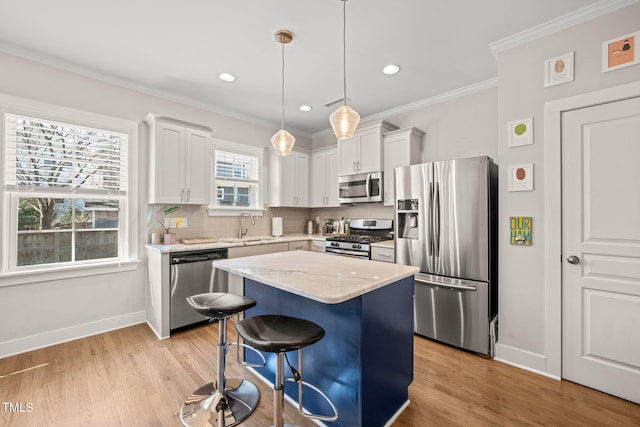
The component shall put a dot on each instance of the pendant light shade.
(283, 141)
(345, 119)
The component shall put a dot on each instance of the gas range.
(363, 233)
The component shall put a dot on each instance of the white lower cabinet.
(385, 254)
(317, 245)
(240, 251)
(302, 245)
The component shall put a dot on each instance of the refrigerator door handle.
(449, 286)
(436, 224)
(430, 220)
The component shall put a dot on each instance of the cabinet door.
(169, 163)
(198, 166)
(318, 179)
(370, 151)
(301, 180)
(332, 178)
(288, 180)
(347, 156)
(396, 153)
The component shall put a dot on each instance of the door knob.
(572, 259)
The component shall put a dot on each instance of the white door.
(601, 247)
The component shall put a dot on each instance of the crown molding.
(407, 108)
(558, 24)
(129, 84)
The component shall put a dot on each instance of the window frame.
(10, 273)
(257, 209)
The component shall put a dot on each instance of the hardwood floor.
(130, 378)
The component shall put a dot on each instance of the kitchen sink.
(245, 239)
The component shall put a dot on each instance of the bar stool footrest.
(247, 347)
(301, 383)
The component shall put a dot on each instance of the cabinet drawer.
(383, 254)
(299, 246)
(317, 245)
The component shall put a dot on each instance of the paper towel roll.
(276, 226)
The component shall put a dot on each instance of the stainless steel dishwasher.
(191, 274)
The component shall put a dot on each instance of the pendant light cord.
(344, 48)
(282, 86)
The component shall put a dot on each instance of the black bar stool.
(280, 334)
(227, 401)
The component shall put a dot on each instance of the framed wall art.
(520, 132)
(521, 177)
(620, 52)
(558, 70)
(520, 230)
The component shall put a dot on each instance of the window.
(237, 177)
(66, 192)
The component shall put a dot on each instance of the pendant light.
(345, 119)
(283, 141)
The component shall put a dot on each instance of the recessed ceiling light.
(391, 69)
(226, 77)
(305, 108)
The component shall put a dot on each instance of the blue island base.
(365, 361)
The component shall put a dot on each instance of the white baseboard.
(58, 336)
(522, 359)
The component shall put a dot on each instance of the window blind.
(41, 154)
(236, 166)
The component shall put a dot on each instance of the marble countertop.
(233, 242)
(322, 277)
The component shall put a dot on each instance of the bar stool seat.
(216, 305)
(279, 334)
(225, 401)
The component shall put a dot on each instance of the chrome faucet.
(246, 230)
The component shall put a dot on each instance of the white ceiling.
(177, 48)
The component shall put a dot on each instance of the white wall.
(43, 313)
(529, 327)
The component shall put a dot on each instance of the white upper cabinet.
(402, 147)
(363, 152)
(180, 161)
(288, 179)
(324, 178)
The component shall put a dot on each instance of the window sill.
(14, 278)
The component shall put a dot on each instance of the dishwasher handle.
(198, 257)
(187, 259)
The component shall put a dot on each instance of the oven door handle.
(348, 253)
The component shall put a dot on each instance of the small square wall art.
(521, 177)
(620, 52)
(520, 132)
(558, 70)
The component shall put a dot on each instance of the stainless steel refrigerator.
(446, 224)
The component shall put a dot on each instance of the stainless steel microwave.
(359, 188)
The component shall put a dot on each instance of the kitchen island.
(365, 361)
